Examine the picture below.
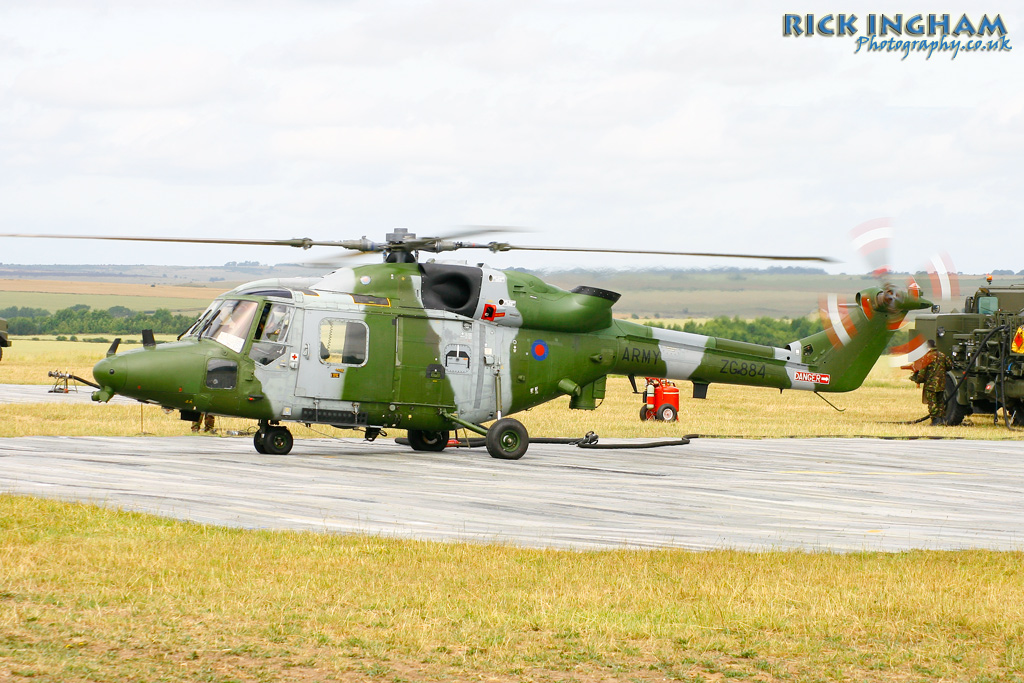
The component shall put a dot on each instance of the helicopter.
(434, 346)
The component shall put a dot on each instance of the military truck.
(985, 342)
(5, 340)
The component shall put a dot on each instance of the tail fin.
(856, 334)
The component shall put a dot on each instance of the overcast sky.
(691, 126)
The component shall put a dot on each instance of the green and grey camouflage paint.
(413, 345)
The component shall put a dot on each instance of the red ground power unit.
(661, 400)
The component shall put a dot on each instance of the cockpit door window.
(271, 332)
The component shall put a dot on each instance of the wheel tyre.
(666, 413)
(646, 413)
(955, 412)
(507, 439)
(1017, 411)
(278, 441)
(423, 440)
(257, 441)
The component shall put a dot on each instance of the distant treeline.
(81, 319)
(763, 330)
(776, 332)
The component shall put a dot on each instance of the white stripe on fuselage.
(682, 352)
(837, 320)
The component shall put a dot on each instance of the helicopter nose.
(111, 374)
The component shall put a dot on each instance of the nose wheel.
(273, 440)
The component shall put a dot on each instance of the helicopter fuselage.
(429, 346)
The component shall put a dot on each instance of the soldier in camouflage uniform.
(930, 374)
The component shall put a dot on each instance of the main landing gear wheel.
(423, 440)
(507, 439)
(257, 440)
(277, 441)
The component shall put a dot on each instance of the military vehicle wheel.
(257, 441)
(646, 413)
(1017, 413)
(507, 439)
(666, 413)
(278, 441)
(955, 412)
(423, 440)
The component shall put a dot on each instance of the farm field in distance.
(54, 295)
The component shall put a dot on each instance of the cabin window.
(230, 326)
(343, 342)
(221, 373)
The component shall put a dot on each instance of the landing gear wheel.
(646, 413)
(507, 439)
(423, 440)
(257, 440)
(278, 441)
(955, 412)
(1014, 409)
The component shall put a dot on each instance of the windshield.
(231, 323)
(196, 328)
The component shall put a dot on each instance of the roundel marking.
(539, 349)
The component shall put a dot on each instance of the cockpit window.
(231, 323)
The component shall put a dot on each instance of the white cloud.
(686, 125)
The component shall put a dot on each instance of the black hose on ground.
(590, 440)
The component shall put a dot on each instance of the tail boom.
(820, 362)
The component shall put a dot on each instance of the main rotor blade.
(500, 246)
(431, 244)
(360, 245)
(300, 242)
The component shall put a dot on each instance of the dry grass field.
(88, 594)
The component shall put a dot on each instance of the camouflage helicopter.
(433, 346)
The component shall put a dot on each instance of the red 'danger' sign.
(816, 377)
